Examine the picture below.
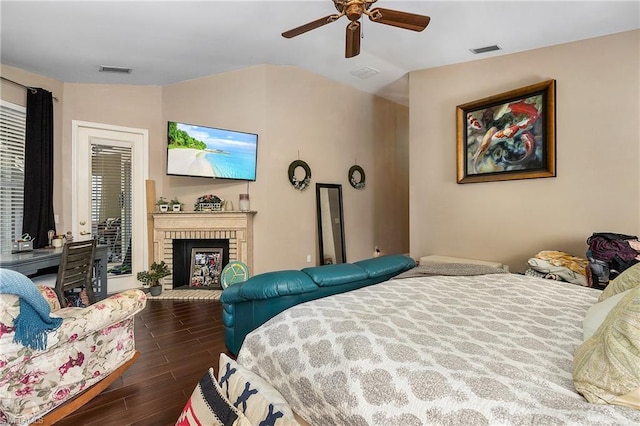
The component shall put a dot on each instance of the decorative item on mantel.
(176, 205)
(208, 202)
(163, 204)
(244, 202)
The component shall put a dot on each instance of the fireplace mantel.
(236, 226)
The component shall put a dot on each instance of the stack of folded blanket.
(560, 266)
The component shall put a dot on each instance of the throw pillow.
(606, 368)
(598, 313)
(260, 402)
(208, 406)
(628, 279)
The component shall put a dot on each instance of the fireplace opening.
(197, 263)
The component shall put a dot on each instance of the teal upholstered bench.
(249, 304)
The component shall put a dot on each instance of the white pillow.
(597, 314)
(208, 406)
(253, 396)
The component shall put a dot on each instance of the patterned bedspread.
(474, 350)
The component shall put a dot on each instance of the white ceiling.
(171, 41)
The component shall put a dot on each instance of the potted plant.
(176, 205)
(152, 277)
(162, 204)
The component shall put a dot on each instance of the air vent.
(120, 70)
(365, 72)
(486, 49)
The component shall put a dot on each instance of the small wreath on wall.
(299, 184)
(353, 179)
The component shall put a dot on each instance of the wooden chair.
(76, 269)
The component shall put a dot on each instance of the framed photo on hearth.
(508, 136)
(206, 266)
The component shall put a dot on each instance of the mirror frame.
(341, 243)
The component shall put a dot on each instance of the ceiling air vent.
(365, 72)
(121, 70)
(486, 49)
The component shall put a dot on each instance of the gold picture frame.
(508, 136)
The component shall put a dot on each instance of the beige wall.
(113, 104)
(293, 111)
(329, 126)
(597, 188)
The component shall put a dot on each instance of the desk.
(29, 262)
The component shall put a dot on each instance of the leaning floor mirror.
(330, 223)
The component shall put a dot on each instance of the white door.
(110, 169)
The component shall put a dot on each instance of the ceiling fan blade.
(408, 21)
(308, 27)
(353, 40)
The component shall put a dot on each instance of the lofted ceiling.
(171, 41)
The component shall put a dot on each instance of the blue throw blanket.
(34, 322)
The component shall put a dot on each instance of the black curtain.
(38, 168)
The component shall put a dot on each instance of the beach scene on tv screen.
(208, 152)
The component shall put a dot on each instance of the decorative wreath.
(352, 180)
(299, 184)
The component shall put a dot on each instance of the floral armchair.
(89, 347)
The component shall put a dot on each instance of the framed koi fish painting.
(508, 136)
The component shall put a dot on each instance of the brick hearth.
(237, 227)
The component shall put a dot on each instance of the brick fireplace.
(236, 227)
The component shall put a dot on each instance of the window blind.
(12, 140)
(111, 191)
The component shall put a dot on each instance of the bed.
(427, 348)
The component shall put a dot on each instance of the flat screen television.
(200, 151)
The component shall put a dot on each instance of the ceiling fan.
(354, 9)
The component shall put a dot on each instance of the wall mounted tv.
(201, 151)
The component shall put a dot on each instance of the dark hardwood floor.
(178, 342)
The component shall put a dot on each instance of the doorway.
(109, 173)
